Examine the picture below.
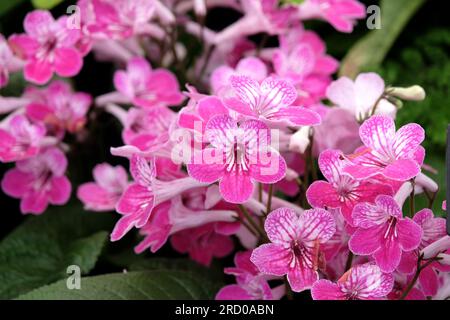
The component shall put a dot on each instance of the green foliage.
(7, 5)
(39, 251)
(45, 4)
(139, 285)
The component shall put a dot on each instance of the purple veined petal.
(239, 106)
(236, 186)
(282, 226)
(252, 67)
(269, 170)
(378, 133)
(388, 205)
(368, 89)
(205, 170)
(298, 116)
(221, 131)
(272, 259)
(276, 94)
(409, 234)
(366, 241)
(366, 215)
(331, 162)
(407, 139)
(401, 170)
(256, 135)
(429, 281)
(233, 292)
(326, 290)
(142, 171)
(369, 281)
(247, 90)
(322, 194)
(388, 255)
(317, 224)
(433, 228)
(301, 278)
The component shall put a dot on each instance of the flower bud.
(413, 93)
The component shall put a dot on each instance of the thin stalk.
(419, 269)
(289, 293)
(269, 199)
(252, 222)
(412, 208)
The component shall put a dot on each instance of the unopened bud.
(413, 93)
(300, 140)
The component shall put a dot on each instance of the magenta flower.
(295, 245)
(362, 97)
(47, 47)
(145, 87)
(271, 101)
(202, 243)
(341, 14)
(104, 193)
(238, 157)
(20, 139)
(146, 192)
(383, 233)
(251, 284)
(39, 181)
(60, 108)
(342, 190)
(362, 282)
(386, 152)
(8, 62)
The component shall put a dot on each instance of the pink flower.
(104, 193)
(146, 192)
(47, 47)
(342, 190)
(383, 233)
(271, 101)
(393, 154)
(20, 140)
(39, 181)
(362, 97)
(362, 282)
(295, 245)
(341, 14)
(251, 284)
(202, 243)
(60, 108)
(8, 62)
(250, 66)
(180, 214)
(238, 156)
(145, 87)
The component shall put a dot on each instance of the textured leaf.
(370, 51)
(139, 285)
(39, 251)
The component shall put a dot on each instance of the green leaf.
(139, 285)
(7, 5)
(370, 51)
(45, 4)
(39, 251)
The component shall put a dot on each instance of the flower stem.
(419, 269)
(289, 293)
(412, 208)
(252, 222)
(269, 199)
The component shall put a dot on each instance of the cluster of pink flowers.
(211, 168)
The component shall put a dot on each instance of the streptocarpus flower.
(8, 62)
(383, 233)
(341, 14)
(238, 156)
(361, 282)
(145, 87)
(342, 190)
(146, 192)
(251, 284)
(39, 181)
(60, 108)
(269, 101)
(362, 97)
(104, 193)
(21, 139)
(48, 46)
(295, 245)
(387, 152)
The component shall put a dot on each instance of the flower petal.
(409, 234)
(366, 241)
(236, 187)
(272, 259)
(407, 139)
(402, 170)
(317, 224)
(68, 62)
(282, 225)
(326, 290)
(378, 133)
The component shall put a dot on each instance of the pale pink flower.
(387, 152)
(238, 157)
(104, 192)
(145, 87)
(21, 139)
(59, 108)
(341, 14)
(362, 97)
(270, 101)
(251, 284)
(251, 66)
(361, 282)
(146, 192)
(47, 46)
(39, 181)
(383, 233)
(342, 190)
(295, 245)
(8, 62)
